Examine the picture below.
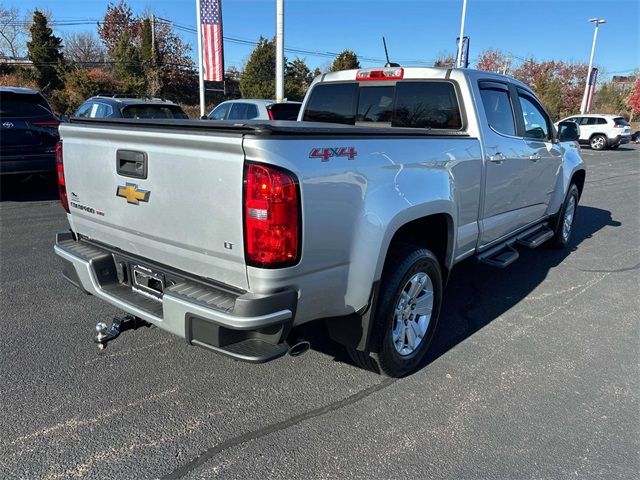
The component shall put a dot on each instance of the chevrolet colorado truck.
(231, 235)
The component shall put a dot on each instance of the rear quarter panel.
(352, 208)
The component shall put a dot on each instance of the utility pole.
(153, 37)
(464, 13)
(597, 22)
(279, 50)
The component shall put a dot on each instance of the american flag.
(211, 17)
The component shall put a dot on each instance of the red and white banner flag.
(212, 53)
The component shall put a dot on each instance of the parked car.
(635, 137)
(28, 132)
(252, 109)
(114, 106)
(601, 131)
(232, 235)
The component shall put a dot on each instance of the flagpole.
(200, 69)
(464, 14)
(279, 50)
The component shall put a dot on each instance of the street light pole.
(597, 22)
(464, 13)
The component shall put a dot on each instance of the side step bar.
(537, 238)
(503, 254)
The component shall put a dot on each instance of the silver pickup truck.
(231, 235)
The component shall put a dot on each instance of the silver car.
(255, 109)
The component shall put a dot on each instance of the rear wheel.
(406, 313)
(566, 218)
(598, 142)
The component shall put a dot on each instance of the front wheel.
(566, 218)
(406, 313)
(598, 142)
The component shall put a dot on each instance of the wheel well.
(578, 178)
(433, 232)
(598, 134)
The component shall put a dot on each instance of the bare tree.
(12, 32)
(83, 47)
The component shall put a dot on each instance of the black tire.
(559, 239)
(598, 142)
(403, 263)
(615, 146)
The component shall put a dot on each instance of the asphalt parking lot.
(534, 372)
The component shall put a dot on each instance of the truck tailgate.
(186, 213)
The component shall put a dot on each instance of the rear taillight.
(270, 113)
(271, 217)
(618, 126)
(62, 186)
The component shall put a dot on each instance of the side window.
(220, 112)
(583, 120)
(497, 107)
(591, 121)
(426, 105)
(602, 121)
(332, 102)
(103, 110)
(252, 111)
(238, 111)
(536, 122)
(84, 110)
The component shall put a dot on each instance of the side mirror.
(568, 131)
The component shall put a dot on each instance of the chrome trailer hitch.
(105, 334)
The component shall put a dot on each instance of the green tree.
(258, 78)
(297, 78)
(610, 98)
(44, 50)
(128, 67)
(347, 60)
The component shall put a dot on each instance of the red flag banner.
(212, 53)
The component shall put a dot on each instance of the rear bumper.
(23, 164)
(619, 140)
(245, 326)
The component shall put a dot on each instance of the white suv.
(601, 131)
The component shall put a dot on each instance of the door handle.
(535, 157)
(498, 158)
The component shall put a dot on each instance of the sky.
(417, 31)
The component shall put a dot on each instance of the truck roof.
(420, 73)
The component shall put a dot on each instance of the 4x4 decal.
(326, 153)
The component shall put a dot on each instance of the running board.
(501, 258)
(503, 254)
(537, 238)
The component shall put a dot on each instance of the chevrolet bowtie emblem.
(132, 194)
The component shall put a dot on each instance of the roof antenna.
(386, 54)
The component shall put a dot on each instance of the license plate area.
(146, 281)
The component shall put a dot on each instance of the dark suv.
(114, 106)
(28, 132)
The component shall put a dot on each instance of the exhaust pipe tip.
(299, 347)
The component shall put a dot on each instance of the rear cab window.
(431, 104)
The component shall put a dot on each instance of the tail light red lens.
(271, 217)
(618, 126)
(62, 186)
